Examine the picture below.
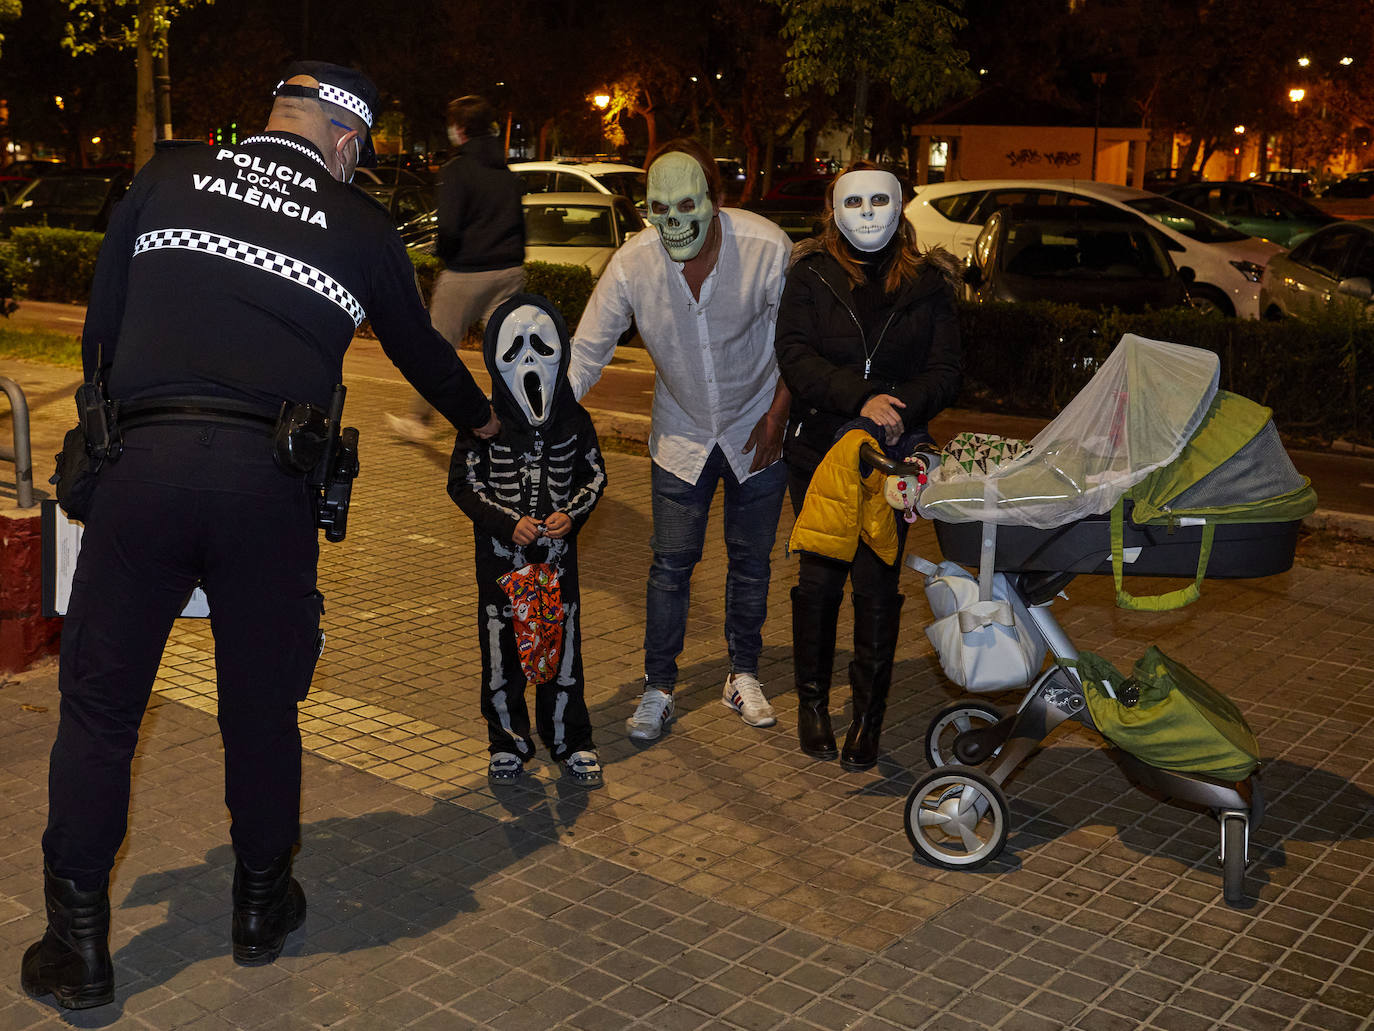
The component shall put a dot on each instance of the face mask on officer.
(868, 207)
(528, 354)
(680, 205)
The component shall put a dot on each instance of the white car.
(1333, 266)
(1226, 264)
(577, 228)
(583, 177)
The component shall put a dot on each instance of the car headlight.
(1249, 270)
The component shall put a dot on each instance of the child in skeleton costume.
(528, 491)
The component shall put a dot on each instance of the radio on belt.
(332, 478)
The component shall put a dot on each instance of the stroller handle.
(895, 467)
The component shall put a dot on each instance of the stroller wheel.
(957, 818)
(1235, 842)
(952, 721)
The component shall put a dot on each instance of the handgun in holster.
(332, 478)
(97, 416)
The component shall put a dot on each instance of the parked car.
(583, 177)
(1360, 185)
(1294, 180)
(391, 175)
(32, 168)
(1333, 265)
(796, 204)
(578, 228)
(1226, 264)
(563, 228)
(1257, 209)
(1094, 257)
(68, 199)
(404, 202)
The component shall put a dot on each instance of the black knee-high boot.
(268, 905)
(72, 960)
(876, 622)
(813, 658)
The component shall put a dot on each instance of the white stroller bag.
(983, 645)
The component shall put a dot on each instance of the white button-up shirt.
(713, 357)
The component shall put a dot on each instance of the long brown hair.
(907, 264)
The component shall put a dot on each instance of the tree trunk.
(859, 146)
(144, 104)
(163, 84)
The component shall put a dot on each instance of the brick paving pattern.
(720, 879)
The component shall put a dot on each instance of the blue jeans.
(681, 510)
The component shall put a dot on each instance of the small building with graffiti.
(985, 137)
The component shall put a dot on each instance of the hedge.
(1316, 374)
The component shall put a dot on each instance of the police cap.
(344, 87)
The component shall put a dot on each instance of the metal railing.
(21, 454)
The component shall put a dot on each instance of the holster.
(92, 442)
(334, 471)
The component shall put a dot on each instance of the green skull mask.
(680, 205)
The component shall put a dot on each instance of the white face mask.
(868, 205)
(680, 205)
(454, 136)
(528, 354)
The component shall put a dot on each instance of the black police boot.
(72, 960)
(876, 622)
(813, 656)
(268, 905)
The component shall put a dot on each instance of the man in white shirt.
(703, 291)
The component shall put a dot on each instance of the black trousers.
(186, 504)
(560, 704)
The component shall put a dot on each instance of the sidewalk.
(720, 879)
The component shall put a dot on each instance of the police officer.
(231, 280)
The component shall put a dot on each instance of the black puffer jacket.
(481, 223)
(916, 356)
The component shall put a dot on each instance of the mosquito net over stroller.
(1153, 442)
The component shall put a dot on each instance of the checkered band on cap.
(283, 265)
(341, 98)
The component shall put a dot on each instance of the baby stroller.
(1152, 469)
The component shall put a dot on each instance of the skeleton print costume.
(545, 459)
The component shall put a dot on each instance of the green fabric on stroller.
(1180, 722)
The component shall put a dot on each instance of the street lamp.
(602, 101)
(1099, 79)
(1295, 95)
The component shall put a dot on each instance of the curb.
(1343, 522)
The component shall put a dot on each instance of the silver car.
(1334, 265)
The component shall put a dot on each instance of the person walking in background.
(528, 491)
(481, 238)
(704, 292)
(867, 331)
(214, 312)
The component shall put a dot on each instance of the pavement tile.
(720, 879)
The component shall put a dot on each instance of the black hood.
(507, 408)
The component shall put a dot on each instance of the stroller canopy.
(1136, 415)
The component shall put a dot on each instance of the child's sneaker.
(744, 694)
(584, 767)
(505, 766)
(655, 712)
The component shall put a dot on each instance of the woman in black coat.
(867, 328)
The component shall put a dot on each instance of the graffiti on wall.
(1031, 156)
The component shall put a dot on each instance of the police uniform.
(235, 273)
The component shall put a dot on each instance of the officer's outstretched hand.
(526, 531)
(491, 429)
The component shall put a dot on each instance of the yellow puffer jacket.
(841, 507)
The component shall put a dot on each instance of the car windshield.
(84, 193)
(627, 184)
(1188, 221)
(1045, 250)
(568, 225)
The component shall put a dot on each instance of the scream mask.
(868, 205)
(680, 205)
(528, 354)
